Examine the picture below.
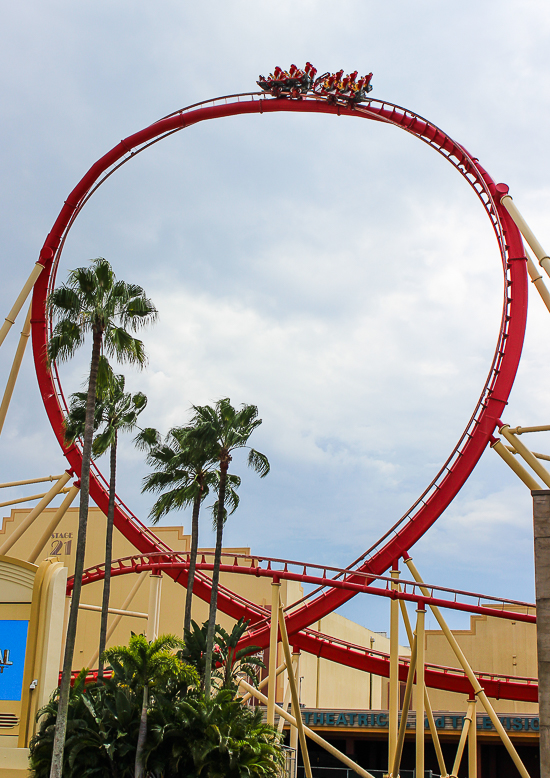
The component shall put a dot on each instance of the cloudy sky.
(337, 273)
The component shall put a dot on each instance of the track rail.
(459, 465)
(359, 657)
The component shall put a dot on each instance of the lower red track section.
(454, 473)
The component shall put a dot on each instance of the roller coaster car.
(293, 83)
(343, 89)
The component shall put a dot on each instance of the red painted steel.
(245, 564)
(466, 453)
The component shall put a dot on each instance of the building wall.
(491, 645)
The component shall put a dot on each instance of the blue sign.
(13, 644)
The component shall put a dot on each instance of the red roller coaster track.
(444, 487)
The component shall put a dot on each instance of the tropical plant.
(146, 665)
(220, 429)
(228, 662)
(91, 302)
(115, 411)
(235, 661)
(185, 473)
(214, 737)
(102, 730)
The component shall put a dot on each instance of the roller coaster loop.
(459, 465)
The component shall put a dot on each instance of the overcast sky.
(337, 273)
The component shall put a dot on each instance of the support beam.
(52, 525)
(14, 372)
(536, 454)
(541, 521)
(463, 739)
(30, 498)
(116, 611)
(286, 700)
(272, 663)
(116, 621)
(263, 683)
(427, 704)
(521, 224)
(524, 452)
(36, 511)
(405, 712)
(508, 457)
(31, 481)
(394, 668)
(295, 713)
(294, 691)
(20, 302)
(478, 689)
(310, 733)
(420, 687)
(538, 281)
(472, 742)
(155, 589)
(520, 430)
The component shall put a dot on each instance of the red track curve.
(454, 473)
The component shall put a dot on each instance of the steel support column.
(541, 521)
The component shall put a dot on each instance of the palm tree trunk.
(224, 465)
(192, 561)
(108, 558)
(56, 770)
(138, 770)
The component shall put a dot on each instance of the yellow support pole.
(429, 713)
(394, 670)
(521, 224)
(14, 372)
(310, 733)
(272, 664)
(264, 682)
(538, 281)
(294, 691)
(31, 481)
(296, 713)
(514, 465)
(116, 611)
(116, 621)
(56, 518)
(30, 498)
(536, 454)
(478, 690)
(36, 511)
(155, 588)
(286, 700)
(521, 430)
(463, 739)
(20, 302)
(527, 455)
(405, 712)
(472, 743)
(420, 687)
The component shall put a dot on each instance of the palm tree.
(184, 473)
(117, 411)
(145, 664)
(91, 302)
(220, 430)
